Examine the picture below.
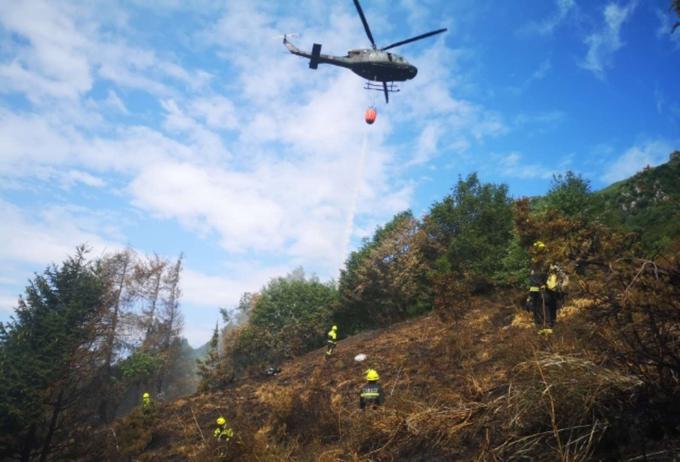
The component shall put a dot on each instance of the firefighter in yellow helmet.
(543, 289)
(332, 341)
(146, 402)
(371, 393)
(223, 430)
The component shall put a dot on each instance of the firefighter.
(542, 298)
(332, 341)
(223, 430)
(146, 403)
(371, 393)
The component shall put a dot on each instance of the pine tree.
(170, 323)
(207, 368)
(47, 355)
(117, 270)
(384, 280)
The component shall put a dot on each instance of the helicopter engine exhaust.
(314, 60)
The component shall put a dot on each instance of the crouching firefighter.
(372, 393)
(223, 430)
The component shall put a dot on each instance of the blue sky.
(185, 126)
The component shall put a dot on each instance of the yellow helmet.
(145, 395)
(372, 375)
(221, 420)
(539, 245)
(334, 327)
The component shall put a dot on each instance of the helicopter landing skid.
(391, 87)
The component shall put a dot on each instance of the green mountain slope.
(647, 203)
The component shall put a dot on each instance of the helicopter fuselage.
(375, 65)
(380, 66)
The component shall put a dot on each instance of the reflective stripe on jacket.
(371, 393)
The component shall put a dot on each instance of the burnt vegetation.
(437, 305)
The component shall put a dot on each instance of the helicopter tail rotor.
(286, 36)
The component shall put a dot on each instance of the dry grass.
(557, 407)
(486, 388)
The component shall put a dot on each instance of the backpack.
(562, 278)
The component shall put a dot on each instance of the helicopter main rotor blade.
(413, 39)
(363, 20)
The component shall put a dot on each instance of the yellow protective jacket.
(223, 431)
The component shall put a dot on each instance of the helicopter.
(373, 64)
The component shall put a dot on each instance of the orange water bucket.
(370, 115)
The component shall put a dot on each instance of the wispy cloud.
(603, 43)
(666, 31)
(74, 177)
(548, 25)
(513, 165)
(537, 75)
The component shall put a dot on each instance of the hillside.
(438, 306)
(647, 203)
(483, 388)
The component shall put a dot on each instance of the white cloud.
(212, 200)
(32, 144)
(548, 25)
(513, 165)
(203, 294)
(211, 291)
(7, 303)
(665, 30)
(537, 75)
(49, 235)
(54, 61)
(604, 43)
(113, 100)
(427, 144)
(64, 48)
(73, 177)
(430, 98)
(218, 112)
(205, 142)
(636, 158)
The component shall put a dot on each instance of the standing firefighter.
(223, 430)
(332, 341)
(546, 283)
(146, 403)
(372, 393)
